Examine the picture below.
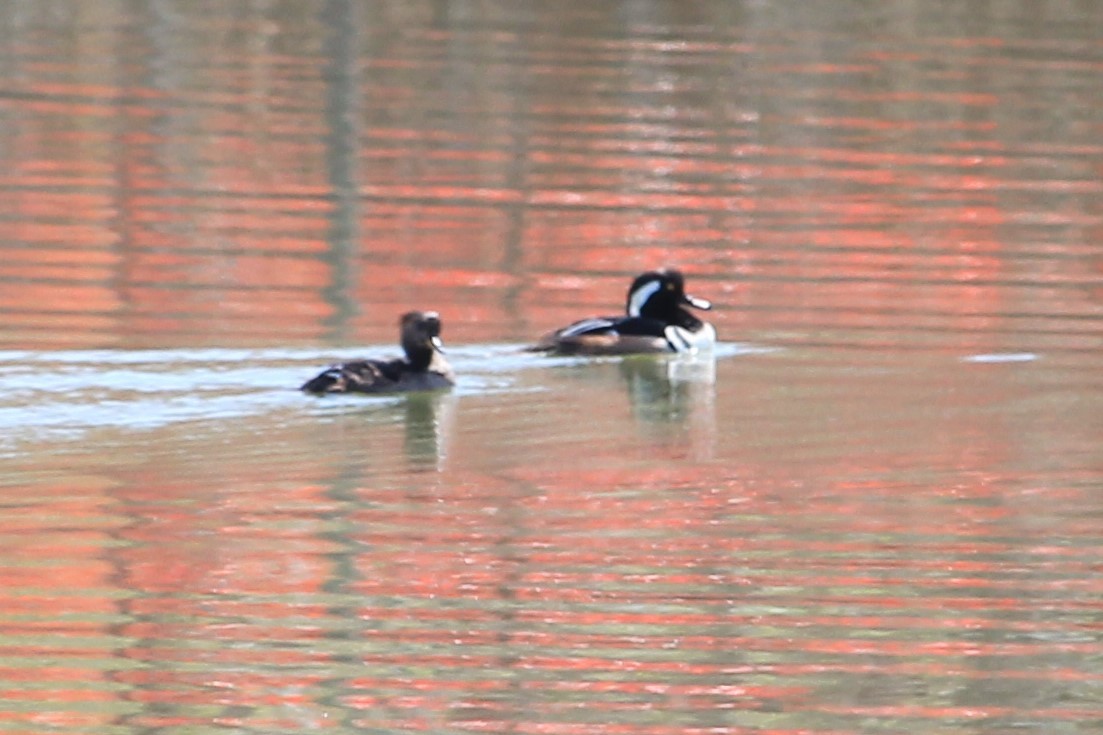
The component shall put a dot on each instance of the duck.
(423, 368)
(655, 321)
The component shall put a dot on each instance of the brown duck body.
(423, 367)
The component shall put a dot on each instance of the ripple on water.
(66, 393)
(1001, 357)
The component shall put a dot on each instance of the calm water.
(876, 509)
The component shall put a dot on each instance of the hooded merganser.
(655, 321)
(423, 368)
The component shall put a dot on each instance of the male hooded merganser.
(655, 321)
(423, 368)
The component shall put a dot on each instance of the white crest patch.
(640, 296)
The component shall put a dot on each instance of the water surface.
(875, 509)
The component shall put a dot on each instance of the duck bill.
(698, 303)
(437, 344)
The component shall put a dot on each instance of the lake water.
(877, 508)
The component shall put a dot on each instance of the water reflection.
(428, 424)
(640, 533)
(891, 524)
(393, 435)
(669, 390)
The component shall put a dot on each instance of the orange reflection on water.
(890, 535)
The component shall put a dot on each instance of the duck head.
(661, 294)
(421, 337)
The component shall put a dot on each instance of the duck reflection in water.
(399, 433)
(428, 428)
(669, 390)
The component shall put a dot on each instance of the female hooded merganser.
(423, 368)
(655, 321)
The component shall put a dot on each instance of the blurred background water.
(875, 509)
